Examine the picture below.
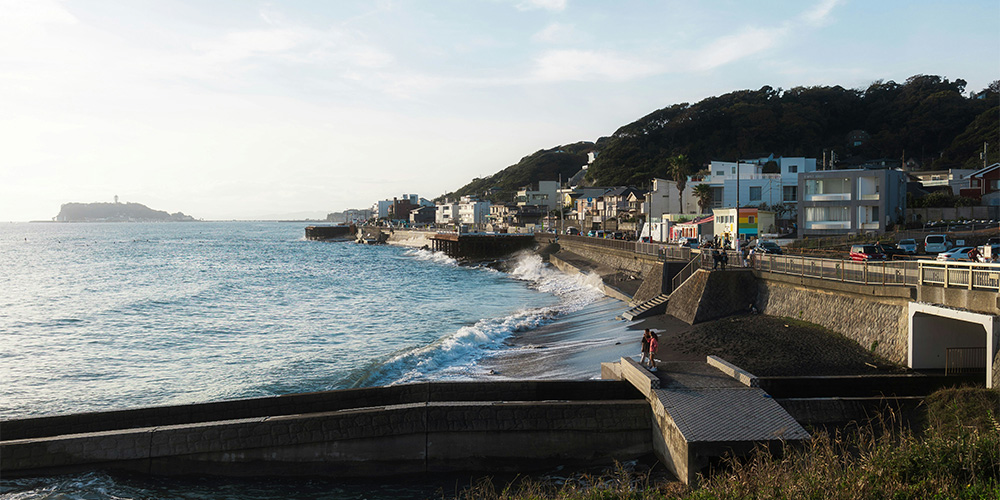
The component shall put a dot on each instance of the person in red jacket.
(654, 344)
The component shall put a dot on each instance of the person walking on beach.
(654, 345)
(645, 348)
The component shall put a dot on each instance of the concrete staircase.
(652, 307)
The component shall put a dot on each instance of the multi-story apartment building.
(446, 213)
(751, 186)
(473, 212)
(850, 201)
(542, 193)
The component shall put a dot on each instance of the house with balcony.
(542, 193)
(769, 180)
(473, 212)
(616, 203)
(446, 213)
(984, 185)
(850, 201)
(956, 178)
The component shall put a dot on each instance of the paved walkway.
(708, 405)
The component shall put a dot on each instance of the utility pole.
(559, 200)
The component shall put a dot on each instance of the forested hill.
(116, 212)
(545, 165)
(928, 119)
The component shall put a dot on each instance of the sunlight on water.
(108, 316)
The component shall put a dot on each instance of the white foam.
(454, 356)
(431, 256)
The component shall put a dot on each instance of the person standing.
(654, 345)
(645, 348)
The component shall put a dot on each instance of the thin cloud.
(819, 14)
(550, 5)
(583, 65)
(732, 48)
(555, 33)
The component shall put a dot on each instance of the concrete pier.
(338, 232)
(480, 245)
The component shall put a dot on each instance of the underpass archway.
(943, 338)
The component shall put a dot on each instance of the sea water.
(100, 317)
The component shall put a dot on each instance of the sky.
(245, 109)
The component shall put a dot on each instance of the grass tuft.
(956, 455)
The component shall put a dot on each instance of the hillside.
(546, 164)
(928, 120)
(116, 212)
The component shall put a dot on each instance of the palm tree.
(679, 167)
(704, 194)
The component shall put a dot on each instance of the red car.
(866, 252)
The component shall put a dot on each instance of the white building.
(754, 186)
(382, 208)
(663, 199)
(473, 212)
(446, 213)
(543, 193)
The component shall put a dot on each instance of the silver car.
(908, 246)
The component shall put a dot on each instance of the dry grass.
(955, 455)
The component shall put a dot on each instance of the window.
(720, 172)
(751, 220)
(754, 193)
(793, 169)
(789, 193)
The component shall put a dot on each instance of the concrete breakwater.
(414, 428)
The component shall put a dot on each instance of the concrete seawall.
(364, 432)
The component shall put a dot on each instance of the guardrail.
(660, 250)
(968, 275)
(904, 273)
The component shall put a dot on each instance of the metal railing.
(964, 360)
(968, 275)
(865, 272)
(660, 250)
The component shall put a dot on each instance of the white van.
(936, 243)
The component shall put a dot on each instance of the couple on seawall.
(650, 344)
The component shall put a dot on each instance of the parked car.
(958, 253)
(908, 246)
(937, 243)
(889, 250)
(572, 231)
(688, 242)
(866, 252)
(768, 246)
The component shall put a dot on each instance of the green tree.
(704, 194)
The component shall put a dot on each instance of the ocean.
(108, 316)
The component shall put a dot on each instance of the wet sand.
(575, 346)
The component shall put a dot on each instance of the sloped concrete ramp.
(701, 413)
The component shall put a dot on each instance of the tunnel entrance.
(952, 340)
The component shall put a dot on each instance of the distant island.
(116, 212)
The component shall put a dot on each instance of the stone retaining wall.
(878, 323)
